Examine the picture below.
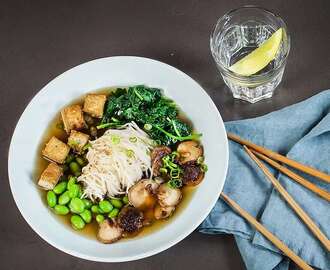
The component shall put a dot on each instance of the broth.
(90, 230)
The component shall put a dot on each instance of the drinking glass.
(237, 34)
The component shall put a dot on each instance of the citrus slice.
(260, 57)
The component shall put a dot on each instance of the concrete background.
(41, 39)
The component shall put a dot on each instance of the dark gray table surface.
(41, 39)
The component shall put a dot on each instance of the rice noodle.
(116, 161)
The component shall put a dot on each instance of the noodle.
(116, 161)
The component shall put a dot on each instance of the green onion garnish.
(175, 183)
(204, 167)
(200, 160)
(129, 153)
(88, 145)
(147, 127)
(133, 139)
(163, 170)
(115, 139)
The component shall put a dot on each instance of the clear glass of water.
(238, 33)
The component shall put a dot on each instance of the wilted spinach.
(153, 112)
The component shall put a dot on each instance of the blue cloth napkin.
(301, 132)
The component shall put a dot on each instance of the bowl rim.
(154, 251)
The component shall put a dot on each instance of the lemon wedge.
(260, 57)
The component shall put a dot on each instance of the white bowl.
(115, 71)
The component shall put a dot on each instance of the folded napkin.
(301, 132)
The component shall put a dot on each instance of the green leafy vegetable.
(157, 115)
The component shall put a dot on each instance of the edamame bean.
(75, 168)
(60, 187)
(80, 193)
(65, 168)
(125, 199)
(116, 203)
(71, 182)
(77, 222)
(51, 198)
(88, 203)
(77, 206)
(95, 209)
(113, 213)
(86, 216)
(61, 210)
(69, 158)
(81, 161)
(74, 191)
(99, 218)
(105, 206)
(64, 198)
(100, 210)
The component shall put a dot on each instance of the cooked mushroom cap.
(156, 158)
(109, 232)
(163, 212)
(189, 151)
(192, 174)
(168, 196)
(142, 194)
(130, 219)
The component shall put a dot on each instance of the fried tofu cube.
(56, 150)
(77, 140)
(94, 105)
(50, 176)
(73, 118)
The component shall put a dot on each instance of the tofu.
(94, 105)
(73, 118)
(77, 140)
(50, 176)
(56, 150)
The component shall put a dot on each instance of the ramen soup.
(119, 161)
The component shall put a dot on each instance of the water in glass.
(236, 35)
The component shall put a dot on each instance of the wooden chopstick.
(271, 237)
(319, 191)
(294, 205)
(273, 155)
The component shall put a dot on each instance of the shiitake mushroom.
(109, 232)
(142, 194)
(168, 196)
(130, 219)
(189, 151)
(156, 158)
(192, 173)
(161, 212)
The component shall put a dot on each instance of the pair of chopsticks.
(294, 205)
(271, 237)
(269, 156)
(275, 156)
